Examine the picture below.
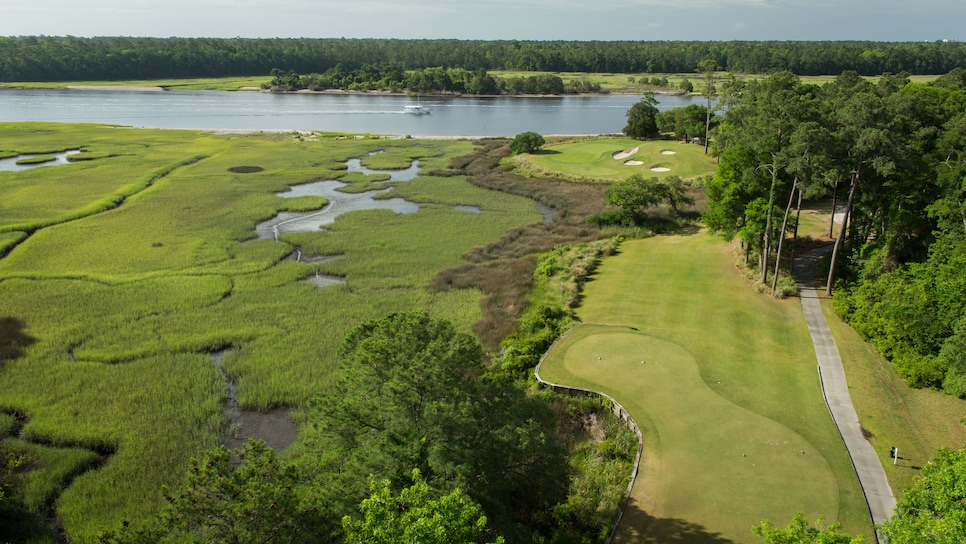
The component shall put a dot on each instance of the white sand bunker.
(660, 169)
(633, 163)
(668, 152)
(626, 153)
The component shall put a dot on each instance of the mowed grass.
(727, 395)
(594, 159)
(917, 421)
(121, 306)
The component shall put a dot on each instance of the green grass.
(917, 421)
(190, 84)
(141, 262)
(814, 220)
(594, 159)
(727, 397)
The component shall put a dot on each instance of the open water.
(354, 113)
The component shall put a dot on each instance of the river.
(353, 113)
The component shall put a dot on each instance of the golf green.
(619, 158)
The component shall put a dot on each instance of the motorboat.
(417, 109)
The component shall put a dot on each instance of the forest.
(48, 58)
(891, 157)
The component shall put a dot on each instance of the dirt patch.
(593, 426)
(275, 427)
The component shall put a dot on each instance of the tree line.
(51, 58)
(891, 157)
(375, 77)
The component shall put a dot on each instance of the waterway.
(353, 113)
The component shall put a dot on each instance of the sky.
(879, 20)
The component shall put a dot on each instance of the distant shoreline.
(115, 88)
(157, 88)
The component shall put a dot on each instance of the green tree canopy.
(637, 193)
(416, 514)
(411, 397)
(799, 531)
(526, 142)
(642, 119)
(933, 511)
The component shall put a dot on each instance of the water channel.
(9, 164)
(354, 113)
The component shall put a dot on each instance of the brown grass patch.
(503, 270)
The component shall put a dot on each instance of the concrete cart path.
(872, 476)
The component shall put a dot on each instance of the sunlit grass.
(727, 395)
(594, 159)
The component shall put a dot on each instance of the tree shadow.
(640, 527)
(13, 340)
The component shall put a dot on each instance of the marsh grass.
(10, 239)
(45, 471)
(141, 263)
(38, 159)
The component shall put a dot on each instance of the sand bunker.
(633, 163)
(668, 152)
(624, 154)
(660, 169)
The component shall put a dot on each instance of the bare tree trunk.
(835, 195)
(798, 218)
(838, 241)
(707, 122)
(781, 236)
(766, 246)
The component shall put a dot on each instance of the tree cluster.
(685, 123)
(50, 58)
(371, 77)
(642, 119)
(635, 195)
(526, 142)
(892, 157)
